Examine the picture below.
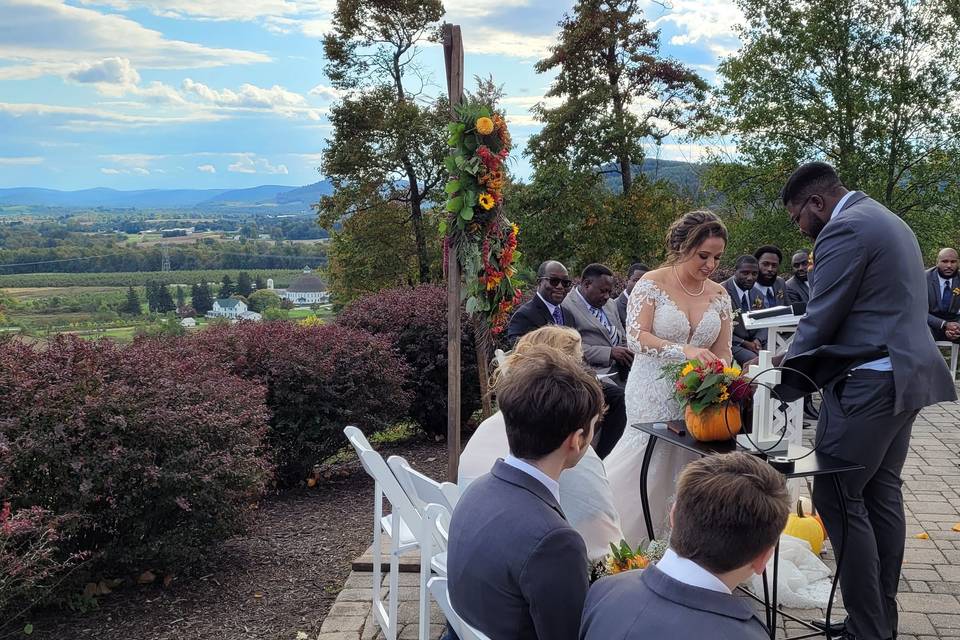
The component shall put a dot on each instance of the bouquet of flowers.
(624, 558)
(711, 396)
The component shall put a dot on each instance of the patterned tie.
(557, 316)
(771, 301)
(947, 297)
(745, 303)
(602, 317)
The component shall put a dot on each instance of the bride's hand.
(705, 356)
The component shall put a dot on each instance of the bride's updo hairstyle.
(691, 230)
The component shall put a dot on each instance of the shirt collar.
(837, 209)
(740, 291)
(550, 306)
(944, 281)
(552, 485)
(689, 572)
(585, 301)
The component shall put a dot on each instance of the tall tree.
(227, 287)
(244, 284)
(260, 283)
(132, 304)
(201, 299)
(181, 297)
(871, 86)
(388, 141)
(617, 91)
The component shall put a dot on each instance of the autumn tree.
(617, 91)
(388, 140)
(873, 87)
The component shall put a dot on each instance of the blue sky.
(138, 94)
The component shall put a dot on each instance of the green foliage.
(159, 299)
(872, 87)
(244, 284)
(200, 298)
(617, 89)
(263, 299)
(135, 278)
(227, 287)
(132, 305)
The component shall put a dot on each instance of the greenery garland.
(476, 227)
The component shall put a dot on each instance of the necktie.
(947, 297)
(771, 302)
(602, 317)
(557, 316)
(745, 303)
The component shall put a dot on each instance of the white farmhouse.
(227, 308)
(306, 290)
(188, 323)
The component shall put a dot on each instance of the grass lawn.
(24, 294)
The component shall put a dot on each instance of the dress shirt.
(882, 364)
(550, 306)
(689, 572)
(740, 293)
(552, 485)
(609, 327)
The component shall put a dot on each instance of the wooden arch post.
(453, 61)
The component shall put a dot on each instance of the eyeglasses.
(796, 219)
(557, 282)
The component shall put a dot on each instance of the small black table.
(808, 464)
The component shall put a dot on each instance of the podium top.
(786, 320)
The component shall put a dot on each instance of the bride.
(675, 313)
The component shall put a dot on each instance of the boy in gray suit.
(729, 512)
(516, 569)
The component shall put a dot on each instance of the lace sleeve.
(644, 299)
(723, 346)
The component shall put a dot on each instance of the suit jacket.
(798, 292)
(597, 345)
(779, 293)
(860, 310)
(936, 315)
(622, 301)
(650, 605)
(740, 333)
(529, 316)
(516, 569)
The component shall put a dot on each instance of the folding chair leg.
(394, 578)
(954, 354)
(377, 549)
(426, 561)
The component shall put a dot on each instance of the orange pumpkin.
(714, 423)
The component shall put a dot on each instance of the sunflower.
(687, 369)
(484, 126)
(732, 371)
(486, 201)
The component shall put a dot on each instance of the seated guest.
(516, 569)
(944, 305)
(553, 283)
(585, 496)
(798, 287)
(745, 297)
(634, 273)
(769, 282)
(605, 348)
(729, 513)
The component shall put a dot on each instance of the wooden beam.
(453, 60)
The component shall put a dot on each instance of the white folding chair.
(954, 355)
(438, 587)
(434, 500)
(400, 525)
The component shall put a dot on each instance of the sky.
(142, 94)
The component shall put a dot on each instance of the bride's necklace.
(703, 285)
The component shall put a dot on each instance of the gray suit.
(597, 344)
(797, 291)
(516, 569)
(650, 605)
(859, 311)
(740, 333)
(622, 301)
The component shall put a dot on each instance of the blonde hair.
(689, 231)
(564, 339)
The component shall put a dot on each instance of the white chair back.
(438, 587)
(954, 355)
(421, 489)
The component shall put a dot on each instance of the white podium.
(780, 329)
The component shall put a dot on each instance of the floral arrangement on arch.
(476, 227)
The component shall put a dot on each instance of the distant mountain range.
(267, 197)
(684, 175)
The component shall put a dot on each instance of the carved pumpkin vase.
(713, 424)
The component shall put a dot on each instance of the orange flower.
(484, 126)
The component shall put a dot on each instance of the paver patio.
(929, 588)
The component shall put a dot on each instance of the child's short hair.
(545, 395)
(729, 509)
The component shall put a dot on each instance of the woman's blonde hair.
(689, 231)
(566, 340)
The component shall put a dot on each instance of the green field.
(281, 278)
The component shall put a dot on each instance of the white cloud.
(91, 118)
(109, 70)
(248, 95)
(465, 9)
(489, 40)
(11, 161)
(207, 168)
(140, 171)
(132, 159)
(710, 22)
(329, 93)
(110, 172)
(249, 163)
(48, 37)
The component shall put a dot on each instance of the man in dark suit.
(634, 273)
(605, 347)
(769, 282)
(728, 515)
(798, 287)
(553, 283)
(878, 366)
(745, 297)
(943, 303)
(516, 568)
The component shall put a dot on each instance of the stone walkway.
(929, 589)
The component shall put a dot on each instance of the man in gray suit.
(798, 287)
(745, 297)
(634, 273)
(878, 366)
(605, 349)
(728, 515)
(516, 569)
(769, 282)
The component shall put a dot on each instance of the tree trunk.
(623, 154)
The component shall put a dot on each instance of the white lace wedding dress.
(649, 398)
